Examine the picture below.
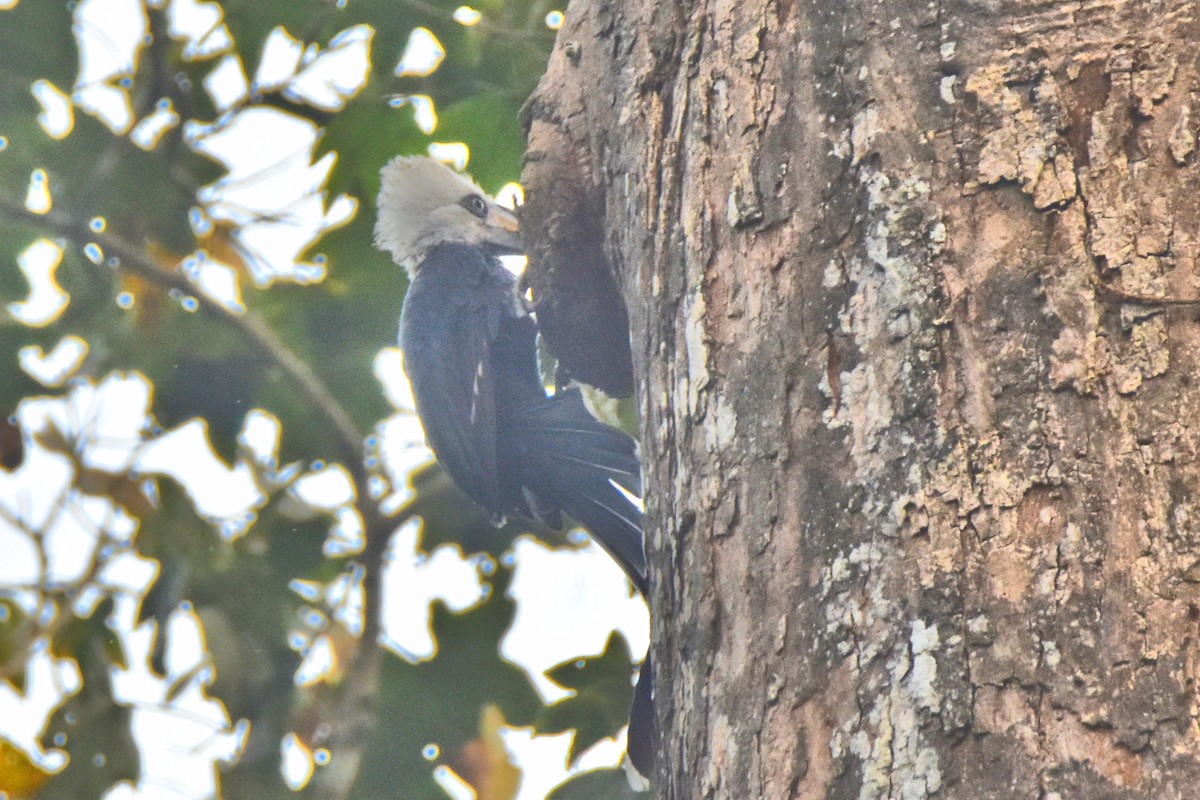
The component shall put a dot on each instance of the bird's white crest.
(419, 206)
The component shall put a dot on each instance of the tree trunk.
(922, 488)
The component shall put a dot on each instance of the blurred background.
(228, 565)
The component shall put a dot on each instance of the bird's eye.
(476, 205)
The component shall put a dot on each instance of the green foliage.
(91, 727)
(136, 223)
(600, 704)
(442, 699)
(607, 784)
(15, 628)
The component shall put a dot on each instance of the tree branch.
(364, 673)
(252, 328)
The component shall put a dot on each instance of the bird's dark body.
(470, 351)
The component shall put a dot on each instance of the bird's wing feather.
(575, 462)
(448, 331)
(470, 354)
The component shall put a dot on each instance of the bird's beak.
(503, 219)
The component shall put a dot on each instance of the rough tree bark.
(923, 493)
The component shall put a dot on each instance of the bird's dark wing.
(572, 461)
(470, 355)
(459, 305)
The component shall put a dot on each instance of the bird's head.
(423, 203)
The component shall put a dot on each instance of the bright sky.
(569, 601)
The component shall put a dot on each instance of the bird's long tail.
(589, 470)
(639, 742)
(592, 472)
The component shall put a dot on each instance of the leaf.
(489, 125)
(600, 705)
(127, 492)
(244, 672)
(16, 384)
(91, 726)
(17, 632)
(25, 58)
(485, 762)
(53, 438)
(12, 445)
(439, 702)
(394, 132)
(20, 777)
(605, 784)
(219, 390)
(452, 517)
(250, 21)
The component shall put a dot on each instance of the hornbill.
(470, 352)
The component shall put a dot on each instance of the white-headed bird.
(470, 352)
